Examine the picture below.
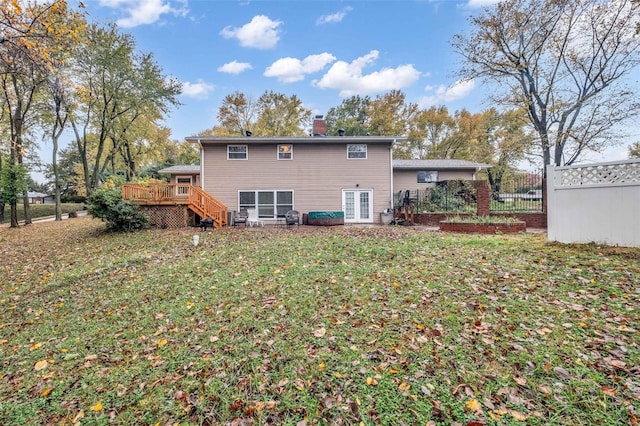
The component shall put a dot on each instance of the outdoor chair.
(241, 217)
(253, 219)
(292, 217)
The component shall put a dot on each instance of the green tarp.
(326, 215)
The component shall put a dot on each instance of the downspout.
(391, 191)
(474, 173)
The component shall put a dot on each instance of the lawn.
(344, 325)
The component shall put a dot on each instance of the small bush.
(107, 204)
(73, 199)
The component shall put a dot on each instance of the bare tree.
(565, 62)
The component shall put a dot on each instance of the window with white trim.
(182, 181)
(269, 204)
(357, 151)
(285, 152)
(237, 152)
(427, 176)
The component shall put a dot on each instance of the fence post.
(483, 198)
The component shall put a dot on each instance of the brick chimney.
(319, 126)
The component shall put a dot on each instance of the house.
(419, 174)
(353, 175)
(183, 174)
(308, 174)
(39, 198)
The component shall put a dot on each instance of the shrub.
(73, 199)
(107, 204)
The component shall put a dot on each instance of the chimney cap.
(319, 117)
(248, 133)
(340, 132)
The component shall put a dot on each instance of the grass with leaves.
(302, 326)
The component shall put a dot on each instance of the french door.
(357, 205)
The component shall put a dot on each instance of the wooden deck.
(171, 194)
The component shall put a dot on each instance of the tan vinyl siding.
(408, 179)
(317, 174)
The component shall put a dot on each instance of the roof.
(188, 169)
(223, 140)
(33, 194)
(437, 164)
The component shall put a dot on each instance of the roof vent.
(248, 133)
(340, 132)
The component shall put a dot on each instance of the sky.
(320, 51)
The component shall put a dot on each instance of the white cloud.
(478, 4)
(335, 17)
(235, 67)
(142, 12)
(198, 90)
(458, 90)
(261, 33)
(350, 80)
(290, 70)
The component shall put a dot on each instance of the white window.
(285, 152)
(427, 177)
(269, 204)
(183, 184)
(357, 151)
(237, 152)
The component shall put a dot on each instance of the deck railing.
(194, 197)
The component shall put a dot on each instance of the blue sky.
(321, 51)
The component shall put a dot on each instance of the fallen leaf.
(371, 381)
(404, 386)
(520, 380)
(518, 415)
(40, 365)
(78, 416)
(162, 342)
(34, 346)
(608, 391)
(96, 407)
(46, 392)
(473, 405)
(561, 372)
(320, 332)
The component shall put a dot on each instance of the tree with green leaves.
(281, 115)
(31, 33)
(236, 115)
(118, 88)
(564, 62)
(389, 114)
(351, 116)
(430, 129)
(502, 141)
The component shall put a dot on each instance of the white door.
(357, 205)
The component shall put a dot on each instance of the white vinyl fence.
(597, 203)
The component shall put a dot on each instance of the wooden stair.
(194, 197)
